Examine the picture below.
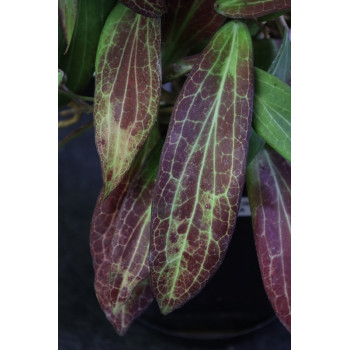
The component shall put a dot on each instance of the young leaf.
(281, 66)
(78, 63)
(127, 91)
(148, 8)
(186, 23)
(250, 8)
(67, 10)
(272, 112)
(202, 168)
(103, 227)
(130, 243)
(268, 186)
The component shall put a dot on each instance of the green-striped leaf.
(101, 234)
(281, 66)
(148, 8)
(130, 243)
(127, 91)
(202, 169)
(269, 192)
(68, 10)
(186, 24)
(78, 63)
(272, 112)
(250, 8)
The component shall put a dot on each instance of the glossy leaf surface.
(202, 168)
(281, 66)
(148, 8)
(187, 23)
(250, 8)
(269, 192)
(127, 91)
(130, 243)
(78, 63)
(272, 112)
(102, 230)
(68, 10)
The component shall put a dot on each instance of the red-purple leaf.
(148, 8)
(269, 192)
(130, 244)
(68, 10)
(103, 227)
(202, 169)
(127, 92)
(250, 8)
(187, 23)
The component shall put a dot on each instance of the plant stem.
(76, 97)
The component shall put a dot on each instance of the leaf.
(269, 192)
(67, 10)
(272, 112)
(102, 230)
(127, 91)
(179, 68)
(256, 144)
(281, 66)
(130, 243)
(78, 63)
(250, 8)
(60, 77)
(265, 51)
(202, 169)
(187, 23)
(148, 8)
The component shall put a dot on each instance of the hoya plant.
(192, 102)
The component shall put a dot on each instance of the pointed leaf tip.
(68, 10)
(127, 91)
(202, 169)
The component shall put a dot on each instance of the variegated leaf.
(202, 169)
(127, 92)
(148, 8)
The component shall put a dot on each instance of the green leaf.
(79, 62)
(148, 8)
(67, 10)
(265, 51)
(130, 243)
(269, 192)
(281, 66)
(256, 144)
(202, 169)
(127, 90)
(187, 23)
(250, 8)
(272, 112)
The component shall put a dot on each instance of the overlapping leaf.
(128, 80)
(130, 244)
(268, 185)
(148, 8)
(101, 235)
(281, 66)
(202, 168)
(272, 112)
(256, 144)
(187, 23)
(68, 10)
(250, 8)
(78, 63)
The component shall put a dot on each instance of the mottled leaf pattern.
(102, 230)
(127, 91)
(78, 63)
(68, 10)
(269, 192)
(250, 8)
(272, 112)
(186, 23)
(281, 66)
(130, 244)
(202, 169)
(148, 8)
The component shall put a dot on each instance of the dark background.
(232, 311)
